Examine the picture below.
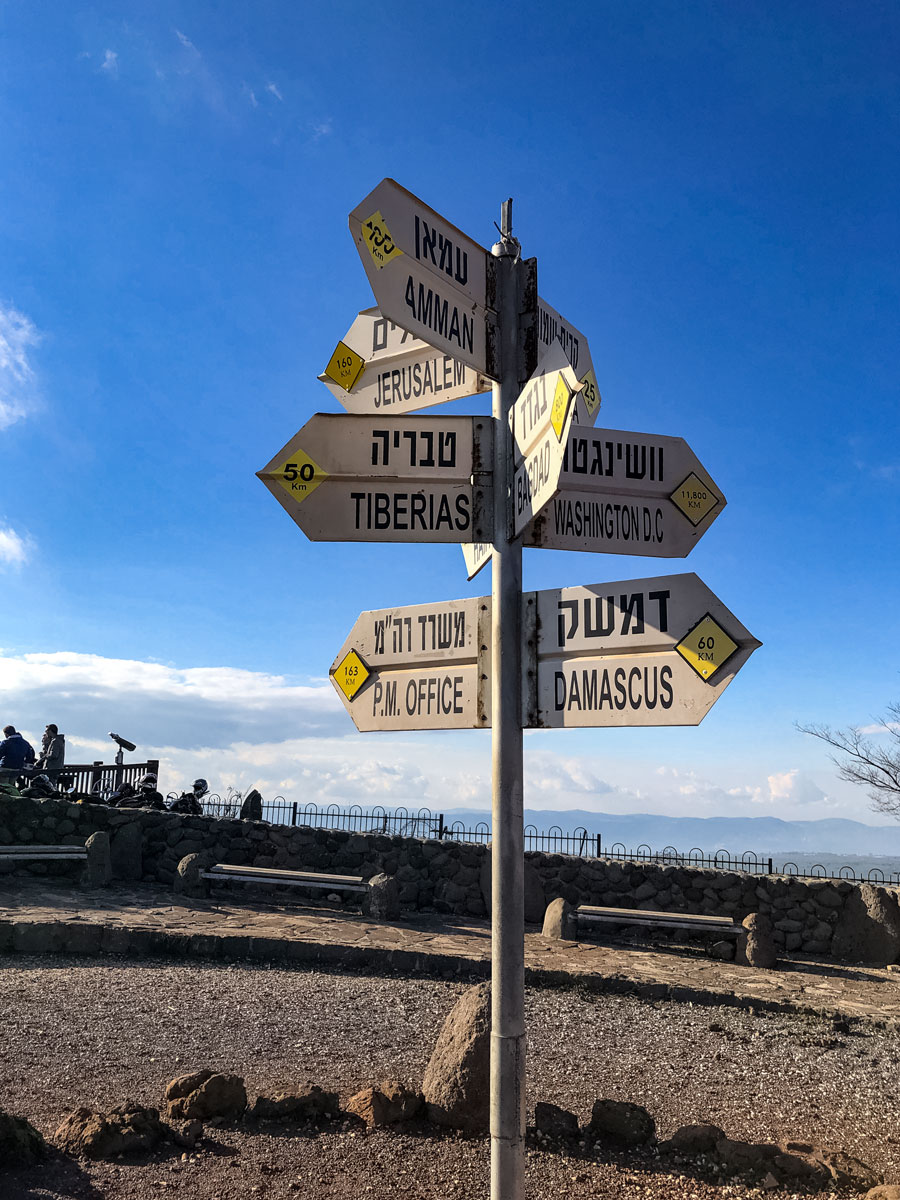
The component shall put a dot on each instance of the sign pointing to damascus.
(390, 479)
(427, 275)
(379, 367)
(654, 651)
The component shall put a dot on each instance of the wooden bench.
(94, 854)
(45, 853)
(698, 923)
(228, 873)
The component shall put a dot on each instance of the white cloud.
(18, 391)
(321, 129)
(13, 548)
(273, 88)
(186, 41)
(251, 95)
(110, 63)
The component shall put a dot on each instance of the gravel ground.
(97, 1032)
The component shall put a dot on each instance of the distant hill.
(764, 835)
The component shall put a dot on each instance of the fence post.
(771, 872)
(598, 845)
(440, 826)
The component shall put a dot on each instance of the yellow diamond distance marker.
(345, 366)
(706, 648)
(300, 476)
(562, 398)
(350, 674)
(694, 499)
(379, 241)
(590, 394)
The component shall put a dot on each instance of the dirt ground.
(99, 1031)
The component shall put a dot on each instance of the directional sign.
(643, 652)
(551, 327)
(427, 276)
(393, 479)
(541, 419)
(421, 667)
(379, 367)
(628, 493)
(654, 651)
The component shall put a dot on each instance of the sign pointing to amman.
(427, 276)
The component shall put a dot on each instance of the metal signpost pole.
(507, 853)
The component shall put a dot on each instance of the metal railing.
(423, 823)
(100, 779)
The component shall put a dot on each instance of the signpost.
(656, 651)
(379, 367)
(390, 479)
(427, 276)
(628, 493)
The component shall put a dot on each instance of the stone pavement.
(40, 916)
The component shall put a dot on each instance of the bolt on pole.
(507, 851)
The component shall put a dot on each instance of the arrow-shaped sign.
(541, 418)
(391, 479)
(654, 651)
(379, 367)
(628, 493)
(427, 276)
(419, 667)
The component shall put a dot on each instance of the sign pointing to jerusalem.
(551, 328)
(420, 667)
(654, 651)
(427, 276)
(393, 479)
(379, 367)
(628, 493)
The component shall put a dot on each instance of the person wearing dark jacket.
(15, 752)
(53, 751)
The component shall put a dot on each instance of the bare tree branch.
(864, 762)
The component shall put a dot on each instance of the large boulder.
(387, 1104)
(622, 1122)
(535, 900)
(559, 920)
(205, 1094)
(692, 1139)
(20, 1143)
(98, 868)
(312, 1105)
(381, 900)
(457, 1079)
(755, 945)
(189, 881)
(126, 852)
(128, 1128)
(868, 929)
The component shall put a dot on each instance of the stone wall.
(449, 877)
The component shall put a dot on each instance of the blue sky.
(711, 191)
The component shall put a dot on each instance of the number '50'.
(305, 472)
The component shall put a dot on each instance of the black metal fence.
(423, 823)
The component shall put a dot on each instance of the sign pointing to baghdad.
(541, 418)
(379, 367)
(654, 651)
(393, 479)
(427, 276)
